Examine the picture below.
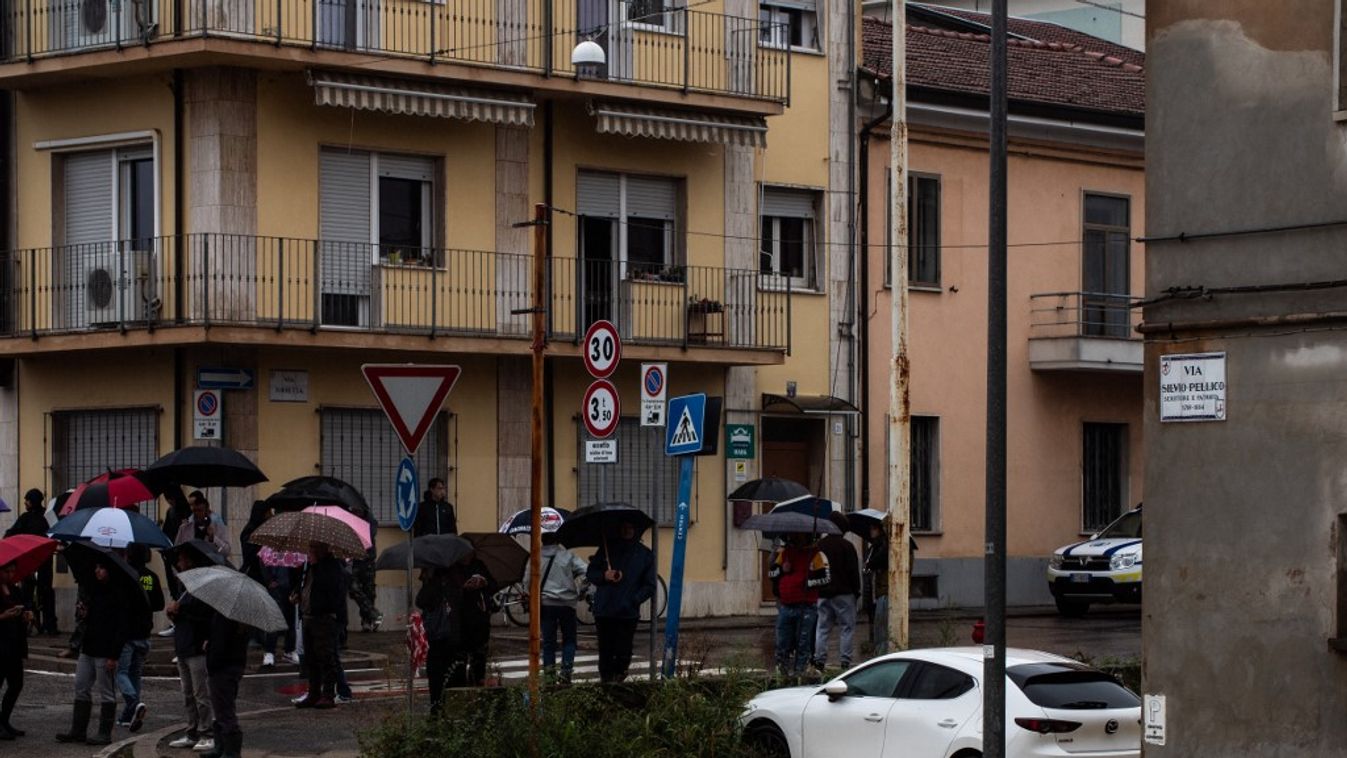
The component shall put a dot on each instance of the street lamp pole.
(900, 419)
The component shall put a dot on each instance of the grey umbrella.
(235, 596)
(430, 551)
(783, 522)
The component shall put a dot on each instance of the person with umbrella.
(797, 570)
(322, 601)
(275, 578)
(457, 603)
(435, 514)
(112, 589)
(561, 570)
(837, 598)
(623, 574)
(137, 649)
(191, 629)
(14, 618)
(37, 590)
(204, 525)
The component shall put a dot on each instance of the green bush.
(680, 717)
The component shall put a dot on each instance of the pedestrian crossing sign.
(685, 433)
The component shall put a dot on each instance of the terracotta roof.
(1043, 31)
(1056, 72)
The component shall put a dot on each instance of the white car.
(928, 704)
(1106, 568)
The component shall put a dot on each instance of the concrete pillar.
(840, 208)
(222, 209)
(11, 489)
(515, 245)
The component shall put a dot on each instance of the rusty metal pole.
(539, 311)
(900, 419)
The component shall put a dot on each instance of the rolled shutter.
(788, 203)
(649, 197)
(598, 194)
(413, 167)
(344, 222)
(88, 229)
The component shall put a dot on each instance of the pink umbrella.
(270, 556)
(358, 525)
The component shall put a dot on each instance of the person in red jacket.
(798, 569)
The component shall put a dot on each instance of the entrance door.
(787, 460)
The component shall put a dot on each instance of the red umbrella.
(27, 552)
(115, 489)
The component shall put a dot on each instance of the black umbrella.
(769, 489)
(298, 494)
(501, 555)
(205, 467)
(431, 551)
(789, 522)
(207, 551)
(83, 557)
(590, 526)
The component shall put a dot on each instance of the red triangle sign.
(410, 395)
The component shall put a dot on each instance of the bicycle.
(513, 601)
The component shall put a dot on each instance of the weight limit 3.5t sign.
(1192, 387)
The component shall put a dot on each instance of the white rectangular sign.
(289, 386)
(600, 451)
(654, 390)
(1153, 716)
(206, 412)
(1192, 387)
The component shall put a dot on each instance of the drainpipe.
(850, 427)
(179, 254)
(863, 302)
(549, 373)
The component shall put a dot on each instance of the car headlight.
(1056, 561)
(1122, 561)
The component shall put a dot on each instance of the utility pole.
(539, 312)
(994, 650)
(900, 416)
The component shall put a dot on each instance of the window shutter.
(88, 198)
(804, 5)
(598, 194)
(415, 167)
(787, 203)
(344, 222)
(649, 197)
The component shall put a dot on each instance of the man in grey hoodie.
(561, 570)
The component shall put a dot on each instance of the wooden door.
(787, 460)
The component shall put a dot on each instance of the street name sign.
(410, 396)
(1192, 387)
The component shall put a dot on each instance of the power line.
(1115, 9)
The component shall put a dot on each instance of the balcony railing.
(647, 42)
(284, 283)
(1083, 314)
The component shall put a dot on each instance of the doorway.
(792, 448)
(598, 269)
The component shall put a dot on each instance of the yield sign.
(410, 395)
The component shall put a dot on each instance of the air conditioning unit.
(121, 290)
(93, 23)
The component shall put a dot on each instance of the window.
(661, 15)
(924, 473)
(939, 683)
(1106, 301)
(358, 446)
(1070, 687)
(923, 230)
(643, 475)
(788, 22)
(628, 226)
(88, 443)
(1104, 474)
(879, 680)
(788, 241)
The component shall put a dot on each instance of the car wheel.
(1072, 608)
(767, 740)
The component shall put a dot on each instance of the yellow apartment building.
(282, 191)
(1076, 203)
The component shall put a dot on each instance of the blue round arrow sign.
(407, 494)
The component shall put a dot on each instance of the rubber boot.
(106, 718)
(79, 723)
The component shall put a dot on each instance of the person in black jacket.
(322, 600)
(623, 581)
(837, 599)
(107, 629)
(14, 620)
(457, 602)
(132, 662)
(38, 596)
(436, 514)
(191, 628)
(226, 657)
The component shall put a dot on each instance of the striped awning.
(686, 126)
(420, 98)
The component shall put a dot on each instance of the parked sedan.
(928, 704)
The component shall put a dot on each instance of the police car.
(1103, 569)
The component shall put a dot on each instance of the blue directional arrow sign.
(406, 493)
(684, 434)
(216, 378)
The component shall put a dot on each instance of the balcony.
(647, 43)
(257, 290)
(1084, 331)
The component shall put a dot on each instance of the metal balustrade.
(647, 43)
(287, 283)
(1084, 314)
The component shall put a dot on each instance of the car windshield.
(1067, 687)
(1127, 527)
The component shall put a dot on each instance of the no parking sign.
(206, 414)
(654, 388)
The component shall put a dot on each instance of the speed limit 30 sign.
(602, 349)
(600, 409)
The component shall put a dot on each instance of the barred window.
(923, 457)
(643, 475)
(87, 443)
(359, 446)
(1104, 474)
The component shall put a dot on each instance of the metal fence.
(1084, 314)
(647, 43)
(286, 283)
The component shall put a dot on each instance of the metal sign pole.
(676, 566)
(654, 599)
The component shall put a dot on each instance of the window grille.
(86, 443)
(924, 472)
(643, 475)
(1104, 474)
(358, 446)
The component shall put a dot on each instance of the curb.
(146, 745)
